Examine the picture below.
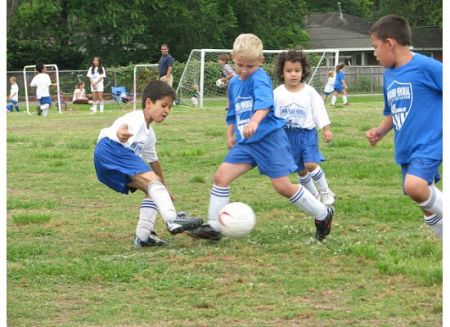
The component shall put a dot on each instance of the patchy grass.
(71, 263)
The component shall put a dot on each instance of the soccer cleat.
(205, 232)
(182, 223)
(323, 227)
(39, 110)
(153, 240)
(327, 198)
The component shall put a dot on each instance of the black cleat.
(182, 223)
(39, 110)
(323, 227)
(205, 232)
(153, 240)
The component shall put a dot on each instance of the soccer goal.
(52, 71)
(202, 70)
(142, 74)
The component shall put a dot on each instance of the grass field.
(71, 263)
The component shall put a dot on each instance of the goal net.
(198, 87)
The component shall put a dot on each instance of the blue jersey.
(246, 97)
(338, 81)
(413, 97)
(164, 63)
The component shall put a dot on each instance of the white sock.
(147, 218)
(434, 202)
(161, 197)
(102, 106)
(435, 223)
(333, 100)
(44, 109)
(344, 98)
(94, 106)
(304, 200)
(307, 182)
(318, 175)
(220, 196)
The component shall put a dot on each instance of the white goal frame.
(202, 64)
(33, 67)
(135, 81)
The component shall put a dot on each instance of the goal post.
(202, 70)
(32, 68)
(135, 80)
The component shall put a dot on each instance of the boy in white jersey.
(119, 163)
(413, 107)
(255, 137)
(303, 109)
(13, 95)
(329, 86)
(42, 83)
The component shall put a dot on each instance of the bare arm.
(252, 126)
(374, 135)
(169, 71)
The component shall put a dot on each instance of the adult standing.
(165, 65)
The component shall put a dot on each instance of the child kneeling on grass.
(256, 138)
(119, 163)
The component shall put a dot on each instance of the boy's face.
(222, 62)
(383, 51)
(292, 73)
(159, 110)
(246, 67)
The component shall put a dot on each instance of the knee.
(283, 189)
(310, 166)
(416, 191)
(220, 179)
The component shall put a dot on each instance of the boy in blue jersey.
(255, 137)
(340, 85)
(413, 107)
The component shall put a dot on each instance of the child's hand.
(231, 141)
(327, 135)
(123, 134)
(250, 129)
(373, 136)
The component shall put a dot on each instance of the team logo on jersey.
(400, 98)
(243, 107)
(294, 115)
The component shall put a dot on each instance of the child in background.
(340, 85)
(79, 95)
(227, 71)
(96, 74)
(329, 86)
(13, 95)
(413, 107)
(120, 163)
(304, 110)
(255, 137)
(42, 83)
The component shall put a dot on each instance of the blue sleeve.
(231, 114)
(387, 109)
(434, 73)
(262, 90)
(170, 61)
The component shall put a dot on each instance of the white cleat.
(327, 198)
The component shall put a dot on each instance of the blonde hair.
(13, 79)
(248, 46)
(330, 73)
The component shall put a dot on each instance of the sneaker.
(183, 223)
(323, 227)
(346, 104)
(39, 110)
(205, 232)
(153, 240)
(327, 198)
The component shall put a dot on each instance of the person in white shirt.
(79, 95)
(96, 74)
(120, 160)
(304, 111)
(13, 98)
(329, 87)
(42, 83)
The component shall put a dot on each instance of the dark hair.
(293, 56)
(40, 67)
(164, 45)
(224, 57)
(393, 27)
(156, 90)
(79, 84)
(339, 66)
(100, 65)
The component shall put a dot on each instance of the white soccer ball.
(236, 220)
(220, 83)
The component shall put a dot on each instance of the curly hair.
(293, 56)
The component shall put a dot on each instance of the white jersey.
(95, 76)
(329, 87)
(143, 141)
(14, 92)
(42, 83)
(79, 94)
(301, 109)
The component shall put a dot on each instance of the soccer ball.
(220, 83)
(236, 220)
